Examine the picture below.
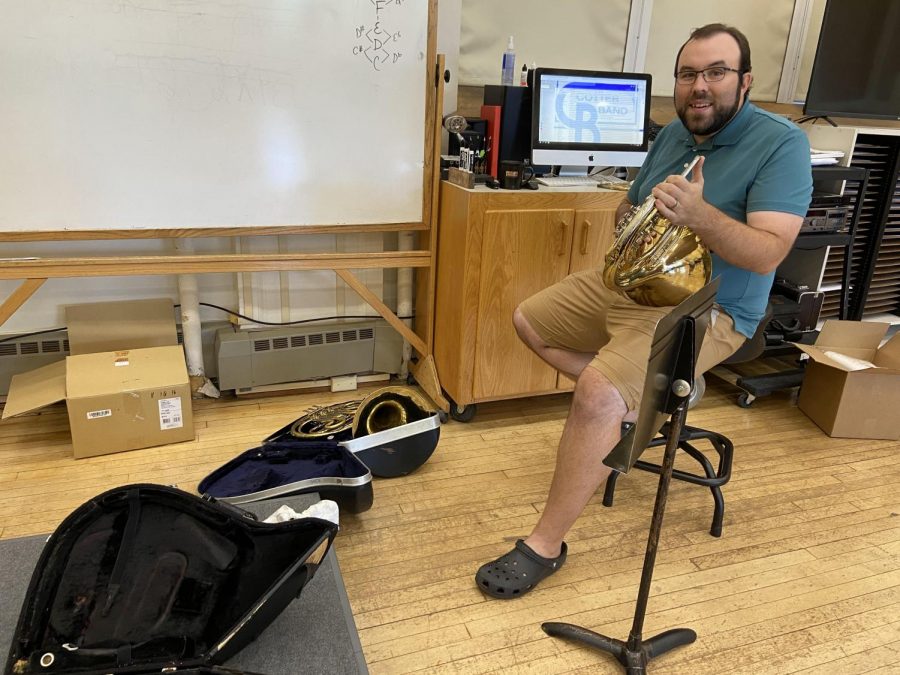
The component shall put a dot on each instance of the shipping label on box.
(170, 416)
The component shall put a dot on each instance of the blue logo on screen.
(579, 104)
(578, 115)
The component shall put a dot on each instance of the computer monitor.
(583, 118)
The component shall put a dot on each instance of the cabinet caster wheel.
(745, 400)
(463, 413)
(410, 379)
(443, 417)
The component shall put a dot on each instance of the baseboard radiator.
(244, 359)
(259, 357)
(21, 354)
(27, 353)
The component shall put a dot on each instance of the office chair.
(713, 478)
(751, 350)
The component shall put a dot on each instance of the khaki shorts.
(581, 314)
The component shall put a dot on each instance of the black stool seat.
(713, 478)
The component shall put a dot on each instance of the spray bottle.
(507, 76)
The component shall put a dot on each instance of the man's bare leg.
(592, 430)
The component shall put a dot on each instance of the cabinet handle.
(585, 233)
(561, 244)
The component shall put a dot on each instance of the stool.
(713, 478)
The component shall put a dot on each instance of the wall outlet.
(343, 383)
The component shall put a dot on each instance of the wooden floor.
(806, 577)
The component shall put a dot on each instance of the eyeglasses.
(714, 74)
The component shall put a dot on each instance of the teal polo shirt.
(757, 162)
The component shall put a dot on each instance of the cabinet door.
(522, 253)
(593, 237)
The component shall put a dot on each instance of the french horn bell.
(654, 262)
(389, 407)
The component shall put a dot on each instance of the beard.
(722, 113)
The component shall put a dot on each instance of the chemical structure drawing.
(380, 46)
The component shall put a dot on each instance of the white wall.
(591, 34)
(449, 20)
(808, 51)
(564, 34)
(268, 296)
(766, 23)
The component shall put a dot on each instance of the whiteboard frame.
(432, 116)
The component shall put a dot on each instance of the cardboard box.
(847, 399)
(127, 397)
(114, 326)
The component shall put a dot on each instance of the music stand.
(667, 387)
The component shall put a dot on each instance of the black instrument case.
(147, 578)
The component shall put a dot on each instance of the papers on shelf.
(824, 157)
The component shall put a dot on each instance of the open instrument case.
(147, 578)
(291, 467)
(392, 434)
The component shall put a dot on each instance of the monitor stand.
(570, 171)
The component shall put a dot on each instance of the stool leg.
(718, 511)
(610, 488)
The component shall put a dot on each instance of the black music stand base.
(634, 656)
(637, 652)
(668, 384)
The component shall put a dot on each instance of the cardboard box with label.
(125, 382)
(851, 388)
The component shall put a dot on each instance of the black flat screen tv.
(856, 72)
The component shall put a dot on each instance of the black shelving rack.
(857, 180)
(876, 262)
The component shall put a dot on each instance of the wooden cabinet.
(496, 248)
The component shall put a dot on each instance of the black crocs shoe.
(519, 571)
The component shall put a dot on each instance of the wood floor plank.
(806, 577)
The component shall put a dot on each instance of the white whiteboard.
(123, 114)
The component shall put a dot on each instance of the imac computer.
(584, 118)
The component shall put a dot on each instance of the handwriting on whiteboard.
(377, 42)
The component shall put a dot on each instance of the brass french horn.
(387, 408)
(320, 422)
(654, 262)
